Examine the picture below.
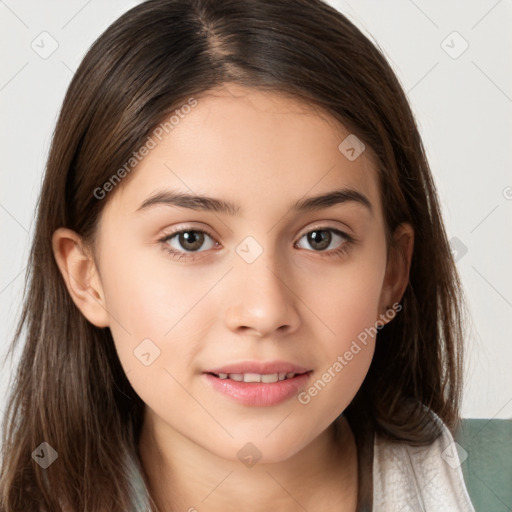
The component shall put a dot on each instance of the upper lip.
(261, 367)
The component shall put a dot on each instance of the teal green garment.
(487, 470)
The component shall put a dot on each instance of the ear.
(81, 276)
(397, 271)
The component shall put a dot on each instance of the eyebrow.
(211, 204)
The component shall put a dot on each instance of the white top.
(419, 479)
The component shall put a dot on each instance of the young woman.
(241, 292)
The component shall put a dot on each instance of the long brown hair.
(70, 390)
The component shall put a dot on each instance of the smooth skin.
(297, 301)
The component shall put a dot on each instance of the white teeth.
(273, 377)
(267, 378)
(252, 377)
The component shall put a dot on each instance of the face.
(265, 288)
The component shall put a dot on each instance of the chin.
(264, 449)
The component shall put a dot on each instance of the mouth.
(258, 384)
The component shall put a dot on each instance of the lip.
(259, 394)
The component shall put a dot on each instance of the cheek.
(346, 301)
(147, 294)
(346, 297)
(347, 348)
(158, 322)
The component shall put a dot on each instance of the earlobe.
(81, 276)
(397, 271)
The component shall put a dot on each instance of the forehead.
(255, 149)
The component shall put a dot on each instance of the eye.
(186, 241)
(322, 239)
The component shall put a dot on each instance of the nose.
(263, 302)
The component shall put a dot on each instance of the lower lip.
(259, 393)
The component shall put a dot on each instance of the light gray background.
(463, 103)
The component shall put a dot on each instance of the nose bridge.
(260, 264)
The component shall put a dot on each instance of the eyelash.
(339, 252)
